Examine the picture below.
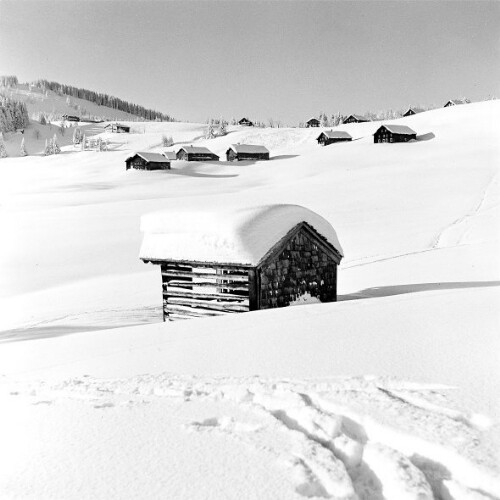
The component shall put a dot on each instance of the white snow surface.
(392, 392)
(234, 236)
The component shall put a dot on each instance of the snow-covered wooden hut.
(221, 262)
(117, 128)
(456, 102)
(394, 133)
(196, 153)
(170, 155)
(331, 136)
(70, 118)
(413, 110)
(246, 122)
(147, 161)
(356, 119)
(312, 122)
(241, 152)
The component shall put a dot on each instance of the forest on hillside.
(102, 99)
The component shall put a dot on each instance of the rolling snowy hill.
(391, 393)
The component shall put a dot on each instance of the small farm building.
(70, 118)
(413, 111)
(117, 128)
(394, 133)
(196, 153)
(331, 136)
(240, 152)
(246, 122)
(356, 119)
(215, 263)
(313, 122)
(170, 155)
(147, 161)
(456, 102)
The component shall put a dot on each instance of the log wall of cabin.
(301, 267)
(201, 290)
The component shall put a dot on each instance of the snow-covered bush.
(210, 134)
(167, 141)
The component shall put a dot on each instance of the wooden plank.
(204, 304)
(205, 265)
(243, 287)
(169, 292)
(182, 274)
(195, 313)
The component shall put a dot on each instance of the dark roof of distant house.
(335, 134)
(169, 155)
(398, 129)
(459, 101)
(150, 157)
(415, 109)
(359, 118)
(196, 150)
(312, 119)
(245, 120)
(248, 148)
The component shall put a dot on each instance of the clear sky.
(288, 60)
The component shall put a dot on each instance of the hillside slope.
(389, 393)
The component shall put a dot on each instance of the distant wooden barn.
(246, 122)
(117, 128)
(147, 161)
(241, 152)
(413, 110)
(170, 155)
(356, 119)
(331, 136)
(394, 133)
(456, 102)
(244, 260)
(196, 153)
(312, 122)
(70, 118)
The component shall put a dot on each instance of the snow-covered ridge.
(232, 236)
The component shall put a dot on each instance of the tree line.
(104, 100)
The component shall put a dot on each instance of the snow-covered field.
(390, 393)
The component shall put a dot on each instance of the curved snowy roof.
(151, 157)
(248, 148)
(335, 134)
(398, 129)
(195, 150)
(239, 236)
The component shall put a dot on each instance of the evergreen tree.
(23, 149)
(48, 149)
(83, 144)
(43, 121)
(222, 128)
(3, 151)
(324, 120)
(210, 132)
(55, 147)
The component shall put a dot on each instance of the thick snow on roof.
(169, 155)
(248, 148)
(358, 117)
(196, 150)
(238, 236)
(415, 109)
(458, 101)
(399, 129)
(336, 134)
(154, 157)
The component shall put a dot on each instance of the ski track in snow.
(361, 438)
(445, 239)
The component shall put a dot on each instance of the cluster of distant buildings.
(387, 133)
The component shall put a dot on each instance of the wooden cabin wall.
(302, 267)
(201, 290)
